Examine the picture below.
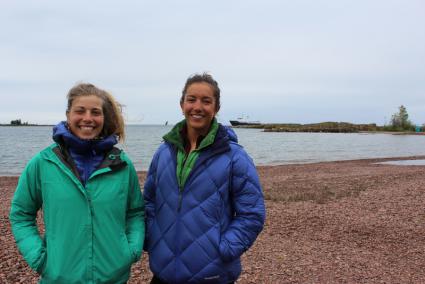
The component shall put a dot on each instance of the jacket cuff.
(42, 263)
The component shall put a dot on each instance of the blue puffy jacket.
(222, 212)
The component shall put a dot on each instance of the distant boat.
(243, 121)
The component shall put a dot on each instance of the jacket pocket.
(225, 251)
(43, 264)
(131, 255)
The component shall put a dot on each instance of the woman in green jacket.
(90, 196)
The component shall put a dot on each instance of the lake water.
(19, 144)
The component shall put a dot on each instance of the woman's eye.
(207, 101)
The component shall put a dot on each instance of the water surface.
(19, 144)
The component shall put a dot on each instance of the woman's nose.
(197, 104)
(87, 115)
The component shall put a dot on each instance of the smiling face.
(85, 117)
(199, 107)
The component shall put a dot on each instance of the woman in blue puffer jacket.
(204, 203)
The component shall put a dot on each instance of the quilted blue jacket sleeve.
(249, 209)
(149, 197)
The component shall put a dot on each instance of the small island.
(18, 122)
(399, 124)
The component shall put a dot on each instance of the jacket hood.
(231, 134)
(62, 135)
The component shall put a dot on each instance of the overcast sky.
(276, 61)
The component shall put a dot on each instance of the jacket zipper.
(180, 199)
(179, 206)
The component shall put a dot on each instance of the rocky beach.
(333, 222)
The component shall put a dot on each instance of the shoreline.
(350, 221)
(260, 166)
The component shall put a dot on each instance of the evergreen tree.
(400, 120)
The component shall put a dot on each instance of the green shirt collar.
(174, 136)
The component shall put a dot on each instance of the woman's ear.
(181, 106)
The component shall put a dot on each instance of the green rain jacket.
(92, 234)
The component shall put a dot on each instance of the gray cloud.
(277, 61)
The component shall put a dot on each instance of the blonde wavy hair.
(112, 110)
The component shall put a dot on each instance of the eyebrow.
(85, 107)
(82, 107)
(202, 97)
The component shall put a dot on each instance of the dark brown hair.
(203, 78)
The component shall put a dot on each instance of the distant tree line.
(399, 123)
(18, 122)
(328, 127)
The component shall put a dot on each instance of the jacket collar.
(221, 144)
(176, 136)
(112, 159)
(62, 135)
